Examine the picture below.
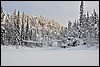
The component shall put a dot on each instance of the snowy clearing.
(40, 57)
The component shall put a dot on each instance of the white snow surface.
(49, 57)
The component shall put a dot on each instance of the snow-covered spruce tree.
(30, 38)
(96, 25)
(15, 30)
(97, 37)
(42, 30)
(81, 17)
(2, 27)
(75, 29)
(8, 35)
(84, 33)
(2, 15)
(65, 31)
(83, 27)
(69, 27)
(22, 30)
(18, 29)
(30, 31)
(27, 32)
(49, 34)
(90, 29)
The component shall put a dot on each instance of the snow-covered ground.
(47, 57)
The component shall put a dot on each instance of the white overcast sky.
(61, 11)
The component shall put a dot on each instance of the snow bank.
(80, 47)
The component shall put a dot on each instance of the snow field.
(10, 57)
